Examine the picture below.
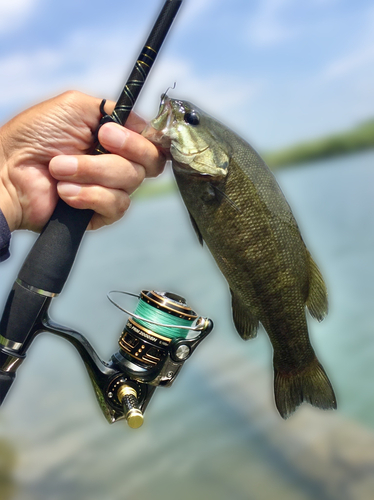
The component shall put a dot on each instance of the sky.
(276, 71)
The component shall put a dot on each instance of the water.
(215, 432)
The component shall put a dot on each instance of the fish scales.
(238, 209)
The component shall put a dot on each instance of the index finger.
(136, 123)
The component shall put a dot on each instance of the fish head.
(189, 137)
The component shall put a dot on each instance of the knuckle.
(133, 177)
(139, 174)
(156, 166)
(142, 152)
(124, 203)
(161, 161)
(120, 206)
(71, 96)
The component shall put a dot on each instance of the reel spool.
(159, 318)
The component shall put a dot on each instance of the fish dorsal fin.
(245, 322)
(197, 230)
(317, 299)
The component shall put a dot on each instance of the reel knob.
(128, 397)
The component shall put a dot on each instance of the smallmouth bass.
(238, 209)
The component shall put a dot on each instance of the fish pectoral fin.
(221, 195)
(317, 299)
(245, 322)
(197, 230)
(309, 384)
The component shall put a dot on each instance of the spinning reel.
(158, 338)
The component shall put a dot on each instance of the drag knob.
(128, 397)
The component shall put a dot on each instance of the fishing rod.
(151, 351)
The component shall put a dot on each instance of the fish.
(238, 209)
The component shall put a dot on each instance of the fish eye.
(192, 118)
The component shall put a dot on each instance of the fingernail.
(113, 135)
(64, 165)
(65, 189)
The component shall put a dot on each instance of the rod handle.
(49, 262)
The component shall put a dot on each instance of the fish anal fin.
(197, 230)
(310, 384)
(317, 299)
(245, 322)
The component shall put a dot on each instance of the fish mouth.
(157, 130)
(158, 138)
(191, 153)
(191, 172)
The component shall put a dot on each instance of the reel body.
(151, 353)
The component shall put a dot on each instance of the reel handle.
(131, 410)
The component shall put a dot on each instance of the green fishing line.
(153, 314)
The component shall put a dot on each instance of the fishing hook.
(165, 94)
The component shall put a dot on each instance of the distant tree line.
(356, 139)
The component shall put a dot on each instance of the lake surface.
(215, 433)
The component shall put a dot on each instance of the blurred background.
(281, 73)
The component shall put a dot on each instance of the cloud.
(350, 63)
(278, 21)
(360, 58)
(13, 13)
(194, 9)
(267, 27)
(27, 78)
(100, 66)
(81, 62)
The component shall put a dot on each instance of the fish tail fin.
(310, 384)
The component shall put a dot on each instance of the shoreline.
(356, 139)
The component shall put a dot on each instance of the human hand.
(43, 156)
